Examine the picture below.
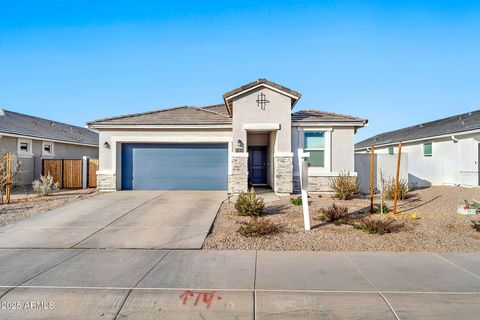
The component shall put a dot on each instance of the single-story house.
(251, 138)
(440, 152)
(33, 139)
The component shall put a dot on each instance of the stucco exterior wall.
(343, 149)
(31, 166)
(339, 154)
(257, 139)
(278, 110)
(451, 163)
(383, 163)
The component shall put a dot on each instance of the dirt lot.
(437, 227)
(24, 206)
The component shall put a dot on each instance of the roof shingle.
(185, 115)
(211, 115)
(451, 125)
(26, 125)
(322, 116)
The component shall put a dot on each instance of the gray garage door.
(174, 166)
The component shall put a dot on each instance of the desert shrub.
(249, 204)
(45, 185)
(476, 225)
(336, 214)
(389, 188)
(344, 186)
(258, 227)
(378, 208)
(380, 226)
(296, 201)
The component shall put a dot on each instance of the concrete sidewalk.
(182, 284)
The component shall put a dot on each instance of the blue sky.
(396, 63)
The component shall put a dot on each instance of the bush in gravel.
(382, 208)
(249, 204)
(389, 188)
(45, 185)
(476, 225)
(258, 227)
(336, 214)
(379, 226)
(297, 201)
(344, 186)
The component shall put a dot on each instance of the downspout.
(455, 140)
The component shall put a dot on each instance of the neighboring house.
(250, 139)
(33, 139)
(441, 152)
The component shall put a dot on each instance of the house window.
(24, 147)
(47, 148)
(315, 144)
(390, 150)
(427, 149)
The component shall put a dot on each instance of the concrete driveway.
(127, 219)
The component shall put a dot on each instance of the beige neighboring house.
(250, 139)
(33, 139)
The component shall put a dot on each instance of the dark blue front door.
(257, 165)
(174, 166)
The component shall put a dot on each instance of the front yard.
(434, 225)
(25, 205)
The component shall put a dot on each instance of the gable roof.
(294, 95)
(451, 125)
(184, 115)
(25, 125)
(322, 116)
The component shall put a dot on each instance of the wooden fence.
(92, 168)
(69, 172)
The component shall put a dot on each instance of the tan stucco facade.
(253, 124)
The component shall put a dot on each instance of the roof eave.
(396, 142)
(44, 138)
(356, 124)
(159, 126)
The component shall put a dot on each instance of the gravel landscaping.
(25, 205)
(429, 217)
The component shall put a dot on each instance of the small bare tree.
(14, 170)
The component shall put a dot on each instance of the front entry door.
(257, 165)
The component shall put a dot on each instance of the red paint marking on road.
(205, 296)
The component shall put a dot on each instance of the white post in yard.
(84, 172)
(303, 169)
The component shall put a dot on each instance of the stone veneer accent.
(106, 182)
(238, 180)
(283, 174)
(319, 184)
(315, 184)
